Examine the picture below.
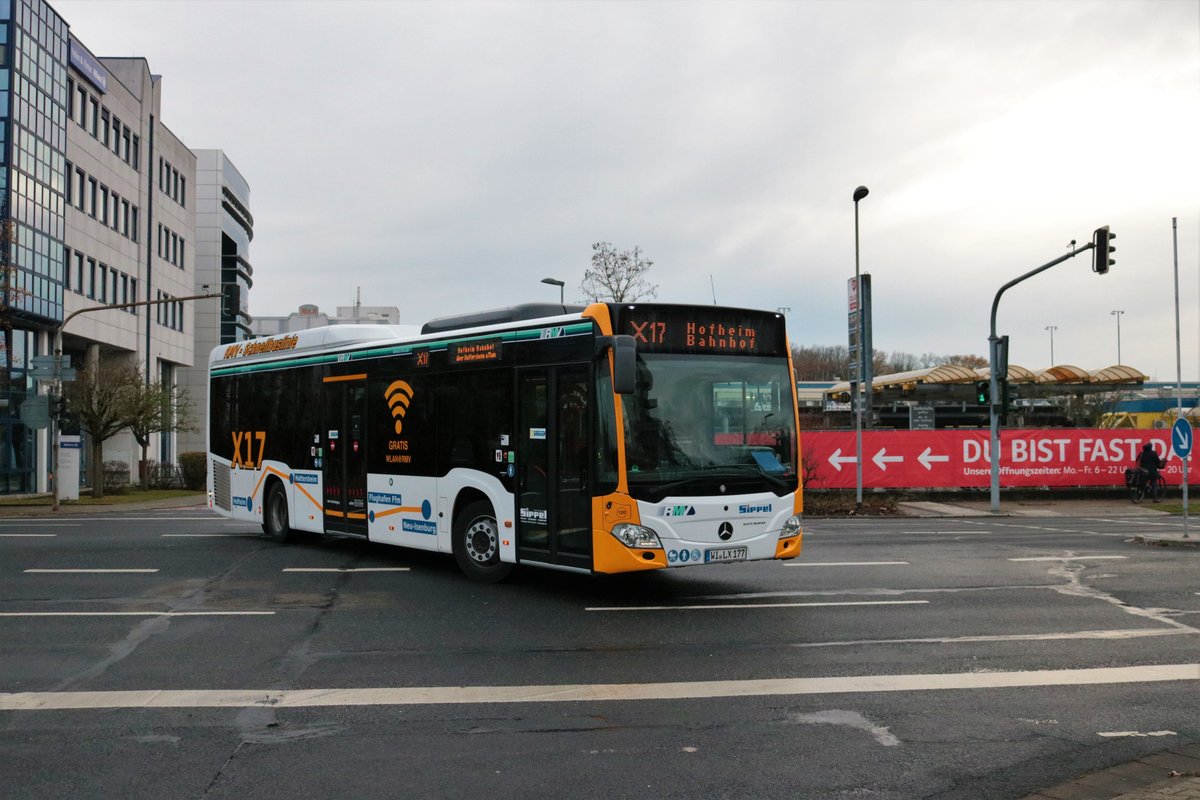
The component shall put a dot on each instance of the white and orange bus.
(604, 439)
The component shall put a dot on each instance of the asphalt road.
(897, 658)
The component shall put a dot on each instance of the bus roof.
(498, 316)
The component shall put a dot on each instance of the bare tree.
(617, 275)
(100, 397)
(156, 408)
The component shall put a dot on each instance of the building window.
(91, 290)
(103, 298)
(133, 295)
(78, 272)
(103, 205)
(93, 117)
(104, 127)
(91, 209)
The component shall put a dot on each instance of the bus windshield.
(709, 424)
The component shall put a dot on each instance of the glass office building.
(34, 54)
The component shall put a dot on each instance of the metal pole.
(994, 347)
(858, 400)
(1179, 372)
(1118, 314)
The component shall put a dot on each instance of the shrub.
(195, 468)
(116, 477)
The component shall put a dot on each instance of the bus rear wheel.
(477, 544)
(275, 514)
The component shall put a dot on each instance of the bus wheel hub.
(481, 542)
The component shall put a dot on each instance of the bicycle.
(1139, 484)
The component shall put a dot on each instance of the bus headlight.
(637, 536)
(790, 528)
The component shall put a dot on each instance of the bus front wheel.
(477, 544)
(275, 514)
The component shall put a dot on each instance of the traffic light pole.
(994, 398)
(58, 332)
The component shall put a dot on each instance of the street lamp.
(859, 194)
(1118, 314)
(1052, 329)
(559, 284)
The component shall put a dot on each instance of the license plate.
(725, 554)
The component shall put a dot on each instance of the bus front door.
(345, 465)
(553, 485)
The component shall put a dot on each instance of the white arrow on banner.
(837, 459)
(927, 460)
(881, 459)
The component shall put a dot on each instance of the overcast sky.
(446, 157)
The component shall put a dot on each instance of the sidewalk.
(194, 501)
(1103, 508)
(1172, 774)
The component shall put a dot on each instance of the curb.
(1166, 540)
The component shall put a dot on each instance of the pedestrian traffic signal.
(58, 406)
(1102, 258)
(983, 392)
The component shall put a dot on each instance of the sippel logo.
(749, 509)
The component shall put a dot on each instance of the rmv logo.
(678, 511)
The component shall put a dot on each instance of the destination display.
(697, 329)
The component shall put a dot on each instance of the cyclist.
(1149, 461)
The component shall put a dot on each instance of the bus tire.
(477, 544)
(275, 514)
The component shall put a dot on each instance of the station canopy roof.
(949, 374)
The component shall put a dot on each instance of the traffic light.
(1102, 258)
(983, 392)
(58, 406)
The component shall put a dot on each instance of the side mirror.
(624, 352)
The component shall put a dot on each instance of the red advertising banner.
(950, 459)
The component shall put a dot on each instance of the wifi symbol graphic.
(398, 395)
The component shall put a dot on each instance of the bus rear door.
(345, 466)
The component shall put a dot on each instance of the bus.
(601, 439)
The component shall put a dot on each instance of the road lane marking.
(1118, 734)
(203, 535)
(759, 605)
(844, 563)
(88, 571)
(346, 569)
(27, 535)
(602, 692)
(1108, 635)
(1072, 558)
(136, 613)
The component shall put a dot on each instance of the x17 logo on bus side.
(245, 440)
